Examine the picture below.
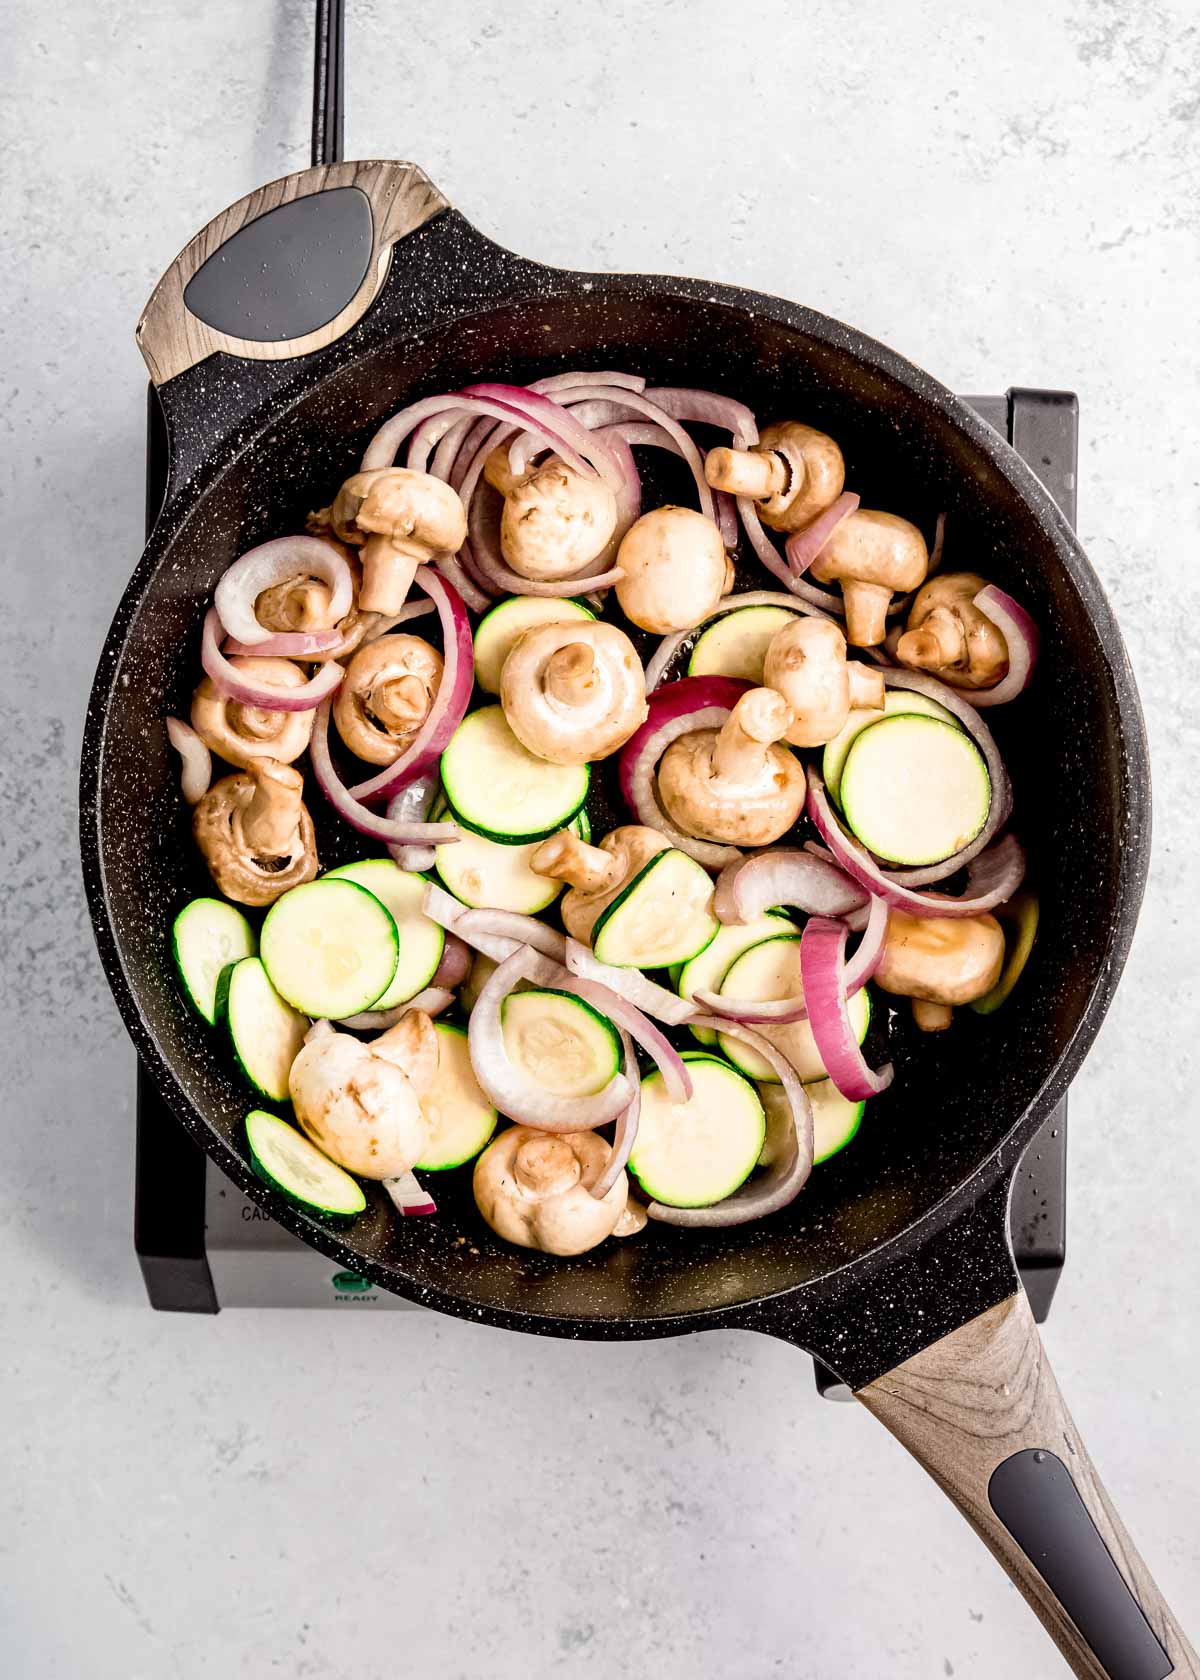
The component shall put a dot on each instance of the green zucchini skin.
(208, 936)
(266, 1141)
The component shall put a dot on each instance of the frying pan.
(276, 342)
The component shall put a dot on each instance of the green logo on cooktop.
(349, 1283)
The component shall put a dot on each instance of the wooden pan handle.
(300, 266)
(982, 1412)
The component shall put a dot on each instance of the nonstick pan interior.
(958, 1096)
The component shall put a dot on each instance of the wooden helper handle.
(982, 1412)
(287, 269)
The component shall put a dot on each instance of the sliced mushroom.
(940, 961)
(872, 555)
(806, 663)
(735, 784)
(357, 1104)
(793, 472)
(256, 834)
(240, 734)
(596, 873)
(300, 605)
(400, 519)
(534, 1189)
(676, 570)
(385, 696)
(555, 520)
(573, 692)
(948, 635)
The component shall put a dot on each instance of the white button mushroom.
(596, 873)
(793, 472)
(240, 734)
(949, 636)
(300, 605)
(573, 692)
(401, 519)
(735, 784)
(555, 520)
(676, 570)
(806, 663)
(256, 834)
(534, 1189)
(940, 961)
(356, 1103)
(385, 696)
(871, 554)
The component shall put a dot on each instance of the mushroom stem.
(931, 1017)
(401, 704)
(939, 642)
(272, 814)
(299, 605)
(747, 472)
(759, 719)
(866, 611)
(565, 857)
(546, 1165)
(866, 686)
(571, 674)
(389, 567)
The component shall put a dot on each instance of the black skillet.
(277, 341)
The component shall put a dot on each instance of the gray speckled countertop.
(1009, 193)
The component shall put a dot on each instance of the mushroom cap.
(533, 1189)
(404, 506)
(240, 733)
(817, 474)
(676, 570)
(359, 1108)
(961, 644)
(573, 692)
(385, 696)
(555, 520)
(300, 605)
(630, 848)
(239, 872)
(752, 804)
(873, 547)
(941, 959)
(806, 663)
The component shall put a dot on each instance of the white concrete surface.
(1009, 192)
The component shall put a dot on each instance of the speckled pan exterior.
(901, 1238)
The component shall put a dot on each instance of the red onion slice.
(507, 1087)
(408, 1197)
(1021, 635)
(625, 1015)
(822, 975)
(456, 961)
(992, 878)
(780, 1011)
(707, 408)
(632, 984)
(725, 514)
(771, 879)
(195, 760)
(432, 1001)
(348, 807)
(625, 1132)
(289, 645)
(266, 697)
(1000, 806)
(676, 709)
(785, 1178)
(803, 546)
(578, 447)
(413, 804)
(275, 562)
(381, 451)
(384, 626)
(449, 703)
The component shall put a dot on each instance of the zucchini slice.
(207, 936)
(329, 948)
(695, 1153)
(499, 631)
(736, 644)
(285, 1159)
(1020, 919)
(898, 702)
(501, 790)
(459, 1117)
(914, 789)
(421, 941)
(835, 1120)
(663, 916)
(705, 972)
(771, 970)
(266, 1033)
(489, 875)
(562, 1043)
